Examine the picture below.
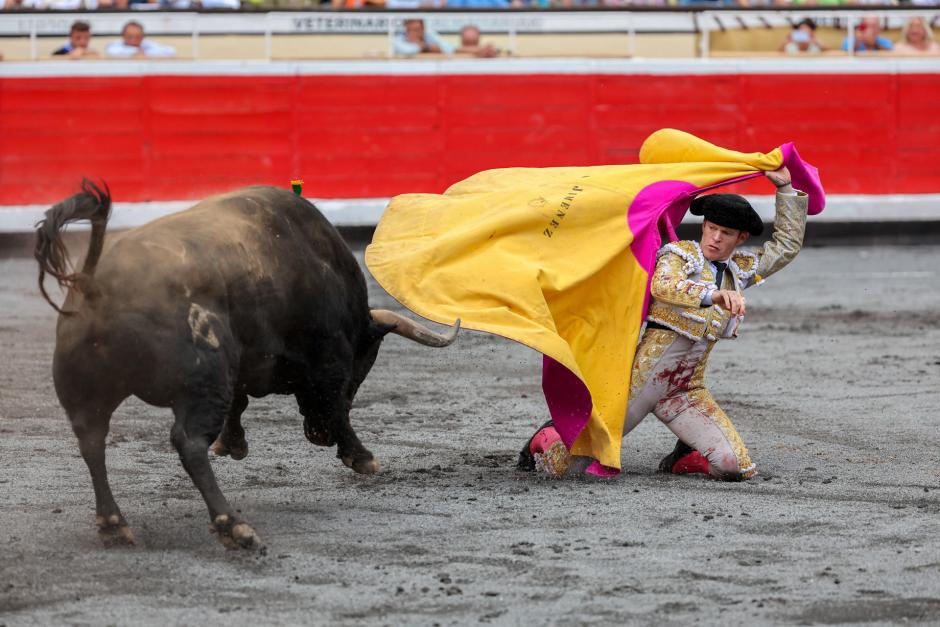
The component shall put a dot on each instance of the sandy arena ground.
(834, 385)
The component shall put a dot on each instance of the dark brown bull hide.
(245, 294)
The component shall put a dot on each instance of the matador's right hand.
(729, 300)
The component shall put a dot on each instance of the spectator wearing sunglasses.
(802, 39)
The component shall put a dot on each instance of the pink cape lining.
(657, 208)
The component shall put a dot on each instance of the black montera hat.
(728, 210)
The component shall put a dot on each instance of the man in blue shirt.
(868, 37)
(78, 43)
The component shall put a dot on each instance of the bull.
(243, 295)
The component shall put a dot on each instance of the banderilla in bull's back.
(243, 295)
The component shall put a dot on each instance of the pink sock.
(543, 439)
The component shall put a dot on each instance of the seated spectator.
(802, 39)
(133, 44)
(42, 5)
(916, 38)
(412, 4)
(868, 37)
(78, 44)
(477, 4)
(470, 43)
(416, 40)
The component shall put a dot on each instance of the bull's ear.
(378, 330)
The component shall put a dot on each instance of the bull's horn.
(412, 330)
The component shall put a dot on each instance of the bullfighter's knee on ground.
(714, 445)
(668, 381)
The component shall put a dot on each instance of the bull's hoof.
(362, 466)
(113, 531)
(234, 534)
(236, 450)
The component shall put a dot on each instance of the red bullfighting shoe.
(684, 460)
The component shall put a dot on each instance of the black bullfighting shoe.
(684, 460)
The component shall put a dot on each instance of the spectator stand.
(760, 31)
(44, 30)
(330, 33)
(366, 34)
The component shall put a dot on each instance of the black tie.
(719, 272)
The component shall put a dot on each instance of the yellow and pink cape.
(560, 259)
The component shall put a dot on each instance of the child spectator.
(802, 39)
(470, 43)
(916, 38)
(78, 43)
(416, 40)
(133, 44)
(868, 36)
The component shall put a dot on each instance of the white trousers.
(668, 380)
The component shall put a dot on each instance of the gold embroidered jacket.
(682, 277)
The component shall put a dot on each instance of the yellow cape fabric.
(543, 256)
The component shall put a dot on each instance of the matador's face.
(718, 242)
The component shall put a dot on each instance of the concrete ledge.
(847, 220)
(818, 234)
(365, 212)
(469, 67)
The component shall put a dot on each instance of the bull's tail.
(94, 204)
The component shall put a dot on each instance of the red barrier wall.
(179, 137)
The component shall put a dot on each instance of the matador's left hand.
(779, 177)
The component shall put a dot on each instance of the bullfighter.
(696, 300)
